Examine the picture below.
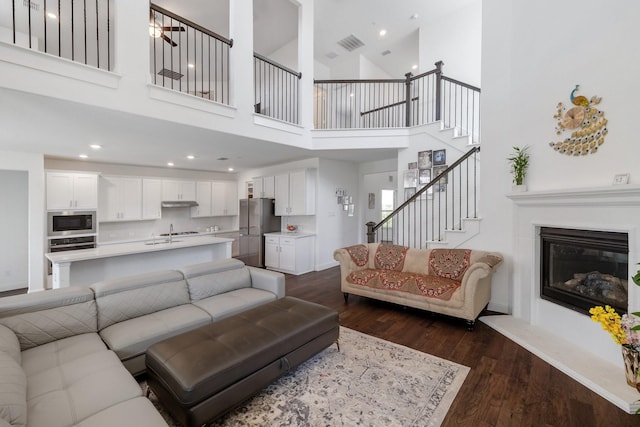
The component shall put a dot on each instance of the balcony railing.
(275, 89)
(188, 57)
(79, 31)
(393, 103)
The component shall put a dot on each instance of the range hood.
(179, 203)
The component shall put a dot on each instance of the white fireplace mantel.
(615, 195)
(568, 340)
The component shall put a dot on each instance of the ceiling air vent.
(386, 52)
(31, 4)
(165, 72)
(351, 43)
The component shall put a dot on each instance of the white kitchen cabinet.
(264, 186)
(120, 199)
(295, 193)
(289, 253)
(178, 190)
(224, 198)
(203, 197)
(76, 191)
(151, 198)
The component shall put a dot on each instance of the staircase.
(444, 213)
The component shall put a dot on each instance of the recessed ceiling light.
(191, 157)
(414, 16)
(52, 15)
(169, 163)
(383, 32)
(95, 146)
(352, 94)
(414, 67)
(230, 169)
(83, 156)
(190, 65)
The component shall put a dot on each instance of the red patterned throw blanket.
(418, 284)
(446, 268)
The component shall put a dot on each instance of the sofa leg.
(346, 297)
(470, 324)
(338, 345)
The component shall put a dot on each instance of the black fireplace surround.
(584, 268)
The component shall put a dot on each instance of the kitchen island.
(87, 266)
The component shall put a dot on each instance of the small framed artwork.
(372, 200)
(410, 178)
(424, 159)
(439, 157)
(413, 165)
(437, 170)
(424, 176)
(408, 192)
(621, 178)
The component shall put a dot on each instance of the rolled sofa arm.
(267, 280)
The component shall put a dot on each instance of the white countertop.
(113, 250)
(158, 237)
(292, 234)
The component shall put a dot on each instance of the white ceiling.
(144, 141)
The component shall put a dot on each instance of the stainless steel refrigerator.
(256, 218)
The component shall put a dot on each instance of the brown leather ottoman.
(204, 373)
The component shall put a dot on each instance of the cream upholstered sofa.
(454, 282)
(67, 355)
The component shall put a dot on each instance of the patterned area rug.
(369, 382)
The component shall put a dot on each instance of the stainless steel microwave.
(66, 223)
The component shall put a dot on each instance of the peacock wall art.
(587, 125)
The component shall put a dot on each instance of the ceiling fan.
(156, 30)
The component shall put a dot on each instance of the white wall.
(336, 228)
(369, 70)
(14, 228)
(532, 57)
(456, 40)
(33, 165)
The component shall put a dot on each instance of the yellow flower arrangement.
(610, 321)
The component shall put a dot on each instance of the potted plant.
(519, 161)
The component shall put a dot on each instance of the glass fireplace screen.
(584, 268)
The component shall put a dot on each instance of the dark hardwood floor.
(507, 385)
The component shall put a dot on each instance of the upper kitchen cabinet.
(178, 190)
(151, 198)
(120, 199)
(78, 191)
(295, 193)
(264, 186)
(224, 200)
(203, 197)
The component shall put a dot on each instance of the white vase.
(519, 188)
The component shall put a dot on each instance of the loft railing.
(441, 205)
(394, 103)
(188, 57)
(79, 31)
(275, 89)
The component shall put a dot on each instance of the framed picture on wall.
(439, 157)
(410, 178)
(408, 192)
(413, 165)
(424, 176)
(424, 159)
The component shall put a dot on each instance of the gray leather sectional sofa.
(67, 355)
